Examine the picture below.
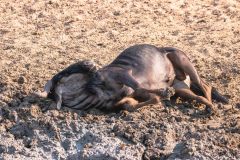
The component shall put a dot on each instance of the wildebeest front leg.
(131, 104)
(146, 96)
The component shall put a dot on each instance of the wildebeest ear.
(58, 98)
(48, 86)
(88, 65)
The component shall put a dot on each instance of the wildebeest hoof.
(211, 111)
(129, 107)
(40, 94)
(167, 93)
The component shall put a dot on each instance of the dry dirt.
(38, 38)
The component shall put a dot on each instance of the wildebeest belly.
(157, 73)
(150, 66)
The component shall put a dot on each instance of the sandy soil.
(40, 37)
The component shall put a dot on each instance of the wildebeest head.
(69, 83)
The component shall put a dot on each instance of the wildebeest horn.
(46, 91)
(59, 98)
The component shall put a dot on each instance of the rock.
(228, 107)
(11, 150)
(116, 13)
(67, 144)
(15, 116)
(11, 115)
(22, 80)
(35, 111)
(29, 142)
(238, 105)
(3, 149)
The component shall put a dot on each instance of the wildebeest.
(142, 72)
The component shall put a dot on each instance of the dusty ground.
(40, 37)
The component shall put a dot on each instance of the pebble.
(228, 107)
(238, 105)
(116, 13)
(67, 144)
(22, 80)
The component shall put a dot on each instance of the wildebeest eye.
(90, 65)
(96, 80)
(99, 77)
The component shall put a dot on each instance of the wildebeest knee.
(156, 99)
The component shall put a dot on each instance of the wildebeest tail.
(215, 94)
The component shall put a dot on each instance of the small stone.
(2, 149)
(75, 116)
(11, 150)
(35, 111)
(67, 144)
(55, 113)
(220, 106)
(15, 116)
(27, 66)
(228, 107)
(110, 120)
(22, 80)
(88, 145)
(238, 105)
(27, 142)
(178, 119)
(122, 146)
(116, 13)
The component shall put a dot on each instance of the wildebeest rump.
(138, 69)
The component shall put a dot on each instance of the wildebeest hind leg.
(215, 93)
(188, 94)
(181, 62)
